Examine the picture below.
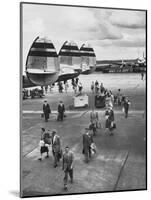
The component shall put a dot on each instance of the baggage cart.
(81, 101)
(99, 101)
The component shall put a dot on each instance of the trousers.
(87, 154)
(70, 173)
(56, 158)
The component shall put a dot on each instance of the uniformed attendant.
(87, 141)
(46, 110)
(61, 110)
(56, 147)
(109, 114)
(67, 165)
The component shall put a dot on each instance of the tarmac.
(120, 161)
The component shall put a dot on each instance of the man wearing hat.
(87, 141)
(94, 119)
(56, 147)
(109, 115)
(126, 104)
(67, 165)
(61, 110)
(46, 110)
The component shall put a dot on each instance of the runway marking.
(82, 112)
(122, 167)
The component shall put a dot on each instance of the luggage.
(113, 125)
(93, 148)
(99, 101)
(41, 143)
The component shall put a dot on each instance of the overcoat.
(46, 110)
(87, 141)
(56, 144)
(67, 160)
(61, 108)
(110, 118)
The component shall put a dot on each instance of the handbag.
(41, 143)
(114, 125)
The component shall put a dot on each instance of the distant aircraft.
(70, 61)
(115, 66)
(141, 61)
(88, 59)
(42, 64)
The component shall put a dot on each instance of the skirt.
(44, 149)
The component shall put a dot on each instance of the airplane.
(140, 65)
(42, 63)
(88, 59)
(70, 61)
(26, 82)
(42, 53)
(115, 66)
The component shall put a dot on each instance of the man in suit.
(94, 120)
(87, 141)
(67, 165)
(56, 147)
(61, 110)
(46, 110)
(126, 104)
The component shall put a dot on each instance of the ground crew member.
(61, 110)
(67, 165)
(46, 110)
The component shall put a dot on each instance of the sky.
(114, 34)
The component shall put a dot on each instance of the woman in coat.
(109, 115)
